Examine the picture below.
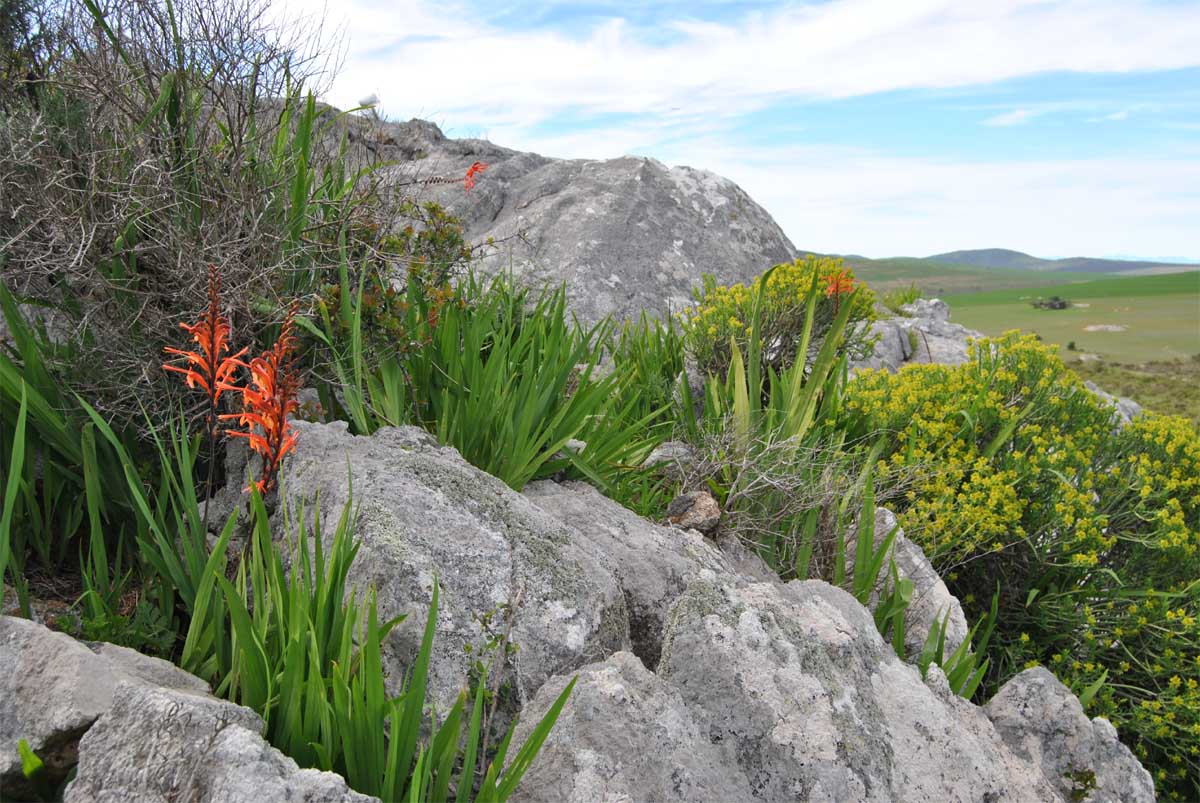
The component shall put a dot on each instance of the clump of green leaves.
(760, 427)
(506, 376)
(304, 651)
(895, 299)
(780, 299)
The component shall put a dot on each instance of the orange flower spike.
(472, 171)
(838, 283)
(268, 401)
(209, 367)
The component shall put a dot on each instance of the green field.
(1133, 319)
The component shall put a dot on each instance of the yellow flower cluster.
(724, 312)
(1006, 468)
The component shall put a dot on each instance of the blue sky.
(881, 127)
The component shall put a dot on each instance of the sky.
(875, 127)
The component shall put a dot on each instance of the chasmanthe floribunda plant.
(267, 400)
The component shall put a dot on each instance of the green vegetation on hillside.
(1006, 258)
(944, 278)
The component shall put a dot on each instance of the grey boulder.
(922, 333)
(1043, 722)
(422, 512)
(1126, 409)
(624, 735)
(653, 564)
(53, 688)
(796, 689)
(156, 745)
(675, 457)
(626, 234)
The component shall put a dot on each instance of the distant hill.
(1008, 259)
(939, 278)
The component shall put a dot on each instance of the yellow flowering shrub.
(723, 313)
(1022, 479)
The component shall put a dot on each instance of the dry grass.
(1169, 387)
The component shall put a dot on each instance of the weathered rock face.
(138, 729)
(798, 691)
(741, 689)
(624, 735)
(653, 564)
(156, 744)
(625, 234)
(923, 334)
(52, 688)
(424, 512)
(1043, 722)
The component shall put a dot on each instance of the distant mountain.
(1008, 259)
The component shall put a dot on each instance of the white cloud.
(681, 101)
(1015, 117)
(437, 58)
(839, 199)
(1110, 118)
(851, 200)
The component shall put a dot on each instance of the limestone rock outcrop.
(922, 334)
(135, 729)
(1043, 722)
(422, 512)
(626, 234)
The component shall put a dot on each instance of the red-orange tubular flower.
(209, 367)
(838, 283)
(472, 171)
(268, 401)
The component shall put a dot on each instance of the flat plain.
(1127, 319)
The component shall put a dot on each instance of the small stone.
(696, 511)
(676, 457)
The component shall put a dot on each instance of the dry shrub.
(769, 488)
(166, 139)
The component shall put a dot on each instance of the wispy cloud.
(443, 57)
(1015, 117)
(865, 201)
(671, 82)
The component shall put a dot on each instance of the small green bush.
(896, 299)
(1092, 533)
(722, 314)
